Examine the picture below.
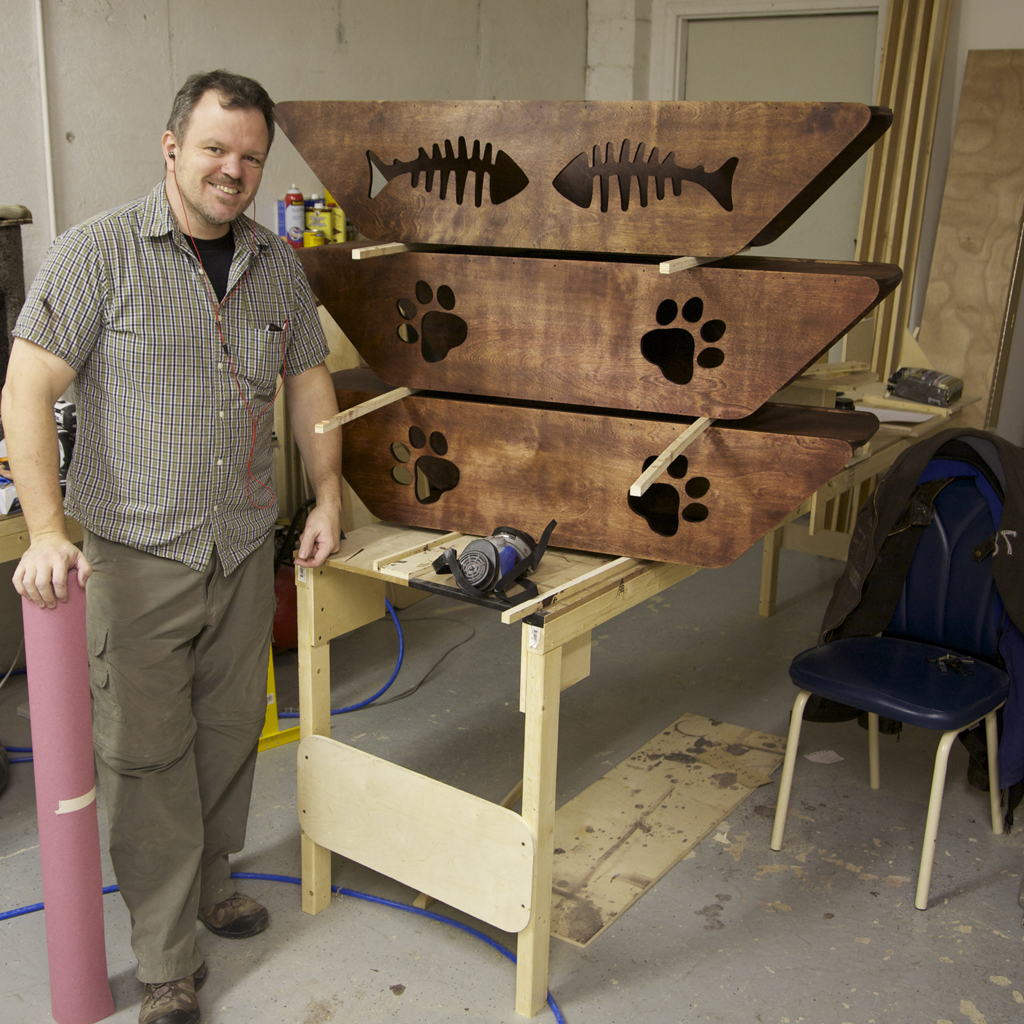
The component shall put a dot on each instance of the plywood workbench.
(480, 857)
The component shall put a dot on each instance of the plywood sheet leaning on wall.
(716, 341)
(449, 462)
(677, 178)
(967, 323)
(895, 187)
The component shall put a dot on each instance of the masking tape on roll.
(67, 806)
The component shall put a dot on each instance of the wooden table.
(478, 856)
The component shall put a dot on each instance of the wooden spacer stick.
(689, 262)
(366, 252)
(621, 565)
(657, 467)
(363, 408)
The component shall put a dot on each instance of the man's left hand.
(321, 536)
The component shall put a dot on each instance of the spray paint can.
(294, 217)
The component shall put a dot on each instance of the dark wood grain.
(477, 464)
(594, 332)
(744, 171)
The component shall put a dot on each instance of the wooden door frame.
(670, 18)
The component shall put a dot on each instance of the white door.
(806, 57)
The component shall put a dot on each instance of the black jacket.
(885, 506)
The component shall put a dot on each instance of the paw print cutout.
(672, 349)
(659, 504)
(433, 475)
(439, 332)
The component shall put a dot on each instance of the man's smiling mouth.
(227, 189)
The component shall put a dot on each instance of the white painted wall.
(115, 65)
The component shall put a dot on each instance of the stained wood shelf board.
(478, 459)
(618, 837)
(526, 174)
(717, 340)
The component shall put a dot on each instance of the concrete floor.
(824, 932)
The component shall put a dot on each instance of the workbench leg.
(540, 759)
(770, 571)
(314, 720)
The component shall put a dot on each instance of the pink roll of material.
(57, 660)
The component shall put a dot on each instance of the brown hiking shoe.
(170, 1002)
(237, 917)
(173, 1002)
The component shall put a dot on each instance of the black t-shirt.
(216, 254)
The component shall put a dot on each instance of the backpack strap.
(884, 583)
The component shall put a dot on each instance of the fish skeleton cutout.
(771, 160)
(506, 176)
(576, 180)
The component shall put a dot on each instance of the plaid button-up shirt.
(167, 454)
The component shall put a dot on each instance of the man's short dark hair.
(236, 92)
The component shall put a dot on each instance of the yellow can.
(320, 219)
(338, 215)
(313, 238)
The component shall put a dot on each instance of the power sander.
(490, 565)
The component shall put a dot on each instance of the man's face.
(216, 167)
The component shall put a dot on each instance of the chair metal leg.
(788, 767)
(993, 772)
(873, 749)
(931, 827)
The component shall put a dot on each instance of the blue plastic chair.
(937, 663)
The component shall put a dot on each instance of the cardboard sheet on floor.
(618, 837)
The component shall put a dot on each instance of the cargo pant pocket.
(105, 704)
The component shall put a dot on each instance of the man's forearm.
(311, 399)
(31, 435)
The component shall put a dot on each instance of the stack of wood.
(557, 359)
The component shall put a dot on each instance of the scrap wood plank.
(366, 252)
(363, 548)
(569, 587)
(895, 185)
(975, 270)
(356, 411)
(823, 371)
(398, 556)
(657, 467)
(421, 563)
(620, 836)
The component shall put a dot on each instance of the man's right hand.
(42, 573)
(35, 380)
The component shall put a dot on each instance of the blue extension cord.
(384, 688)
(259, 876)
(293, 714)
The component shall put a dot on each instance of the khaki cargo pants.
(178, 671)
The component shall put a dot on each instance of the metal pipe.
(44, 97)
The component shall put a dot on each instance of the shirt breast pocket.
(259, 359)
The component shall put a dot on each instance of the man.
(174, 316)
